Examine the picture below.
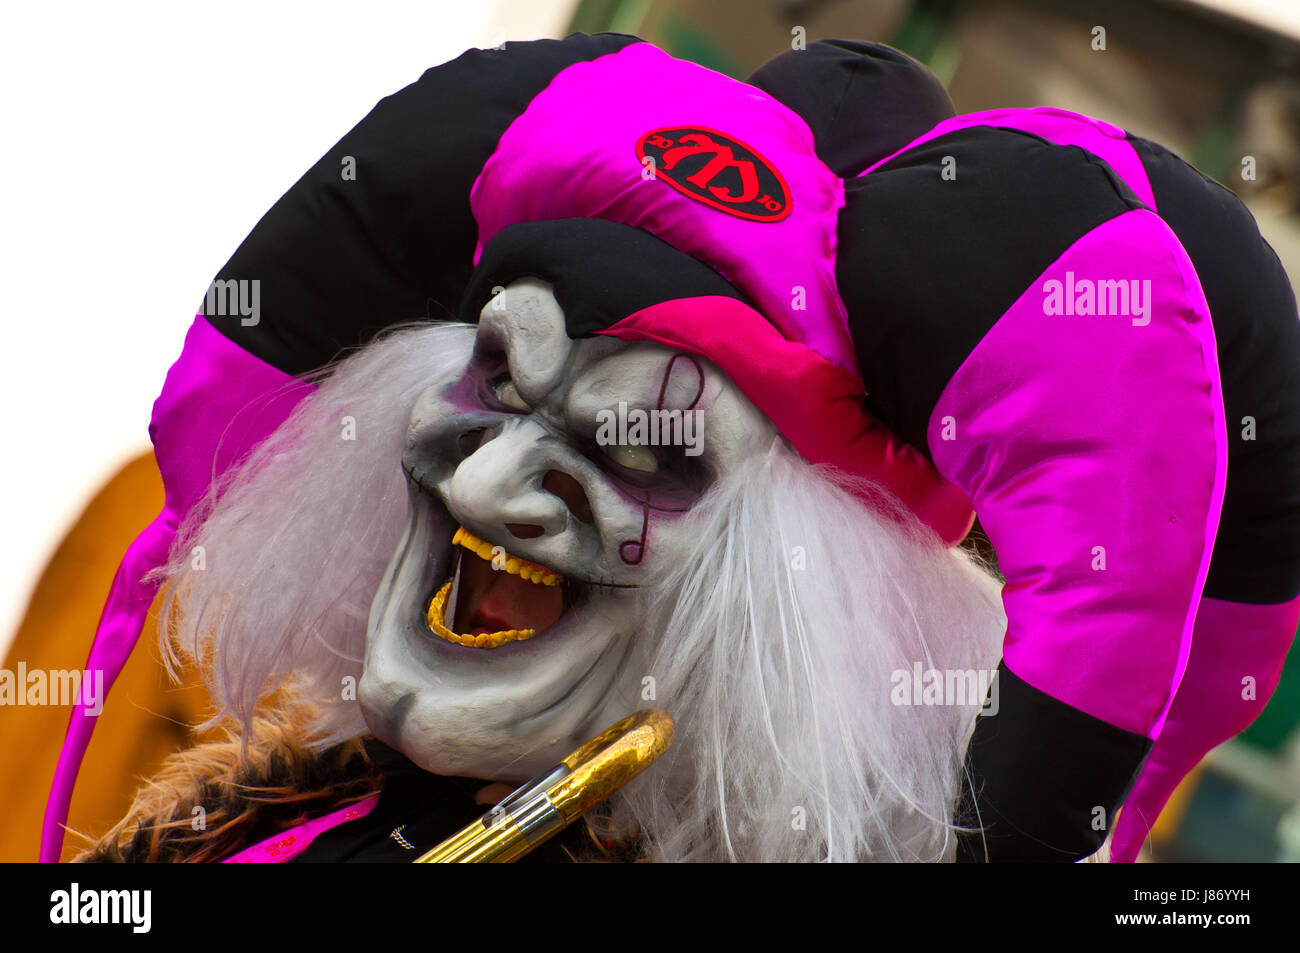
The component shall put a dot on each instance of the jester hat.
(749, 223)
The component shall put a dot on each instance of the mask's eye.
(507, 394)
(633, 457)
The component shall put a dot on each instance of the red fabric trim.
(815, 404)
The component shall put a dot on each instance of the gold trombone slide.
(547, 804)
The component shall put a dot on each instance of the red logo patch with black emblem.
(718, 170)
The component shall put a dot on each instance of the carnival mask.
(550, 487)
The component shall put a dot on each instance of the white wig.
(774, 643)
(297, 539)
(783, 633)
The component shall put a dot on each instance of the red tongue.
(492, 600)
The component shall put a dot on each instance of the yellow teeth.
(500, 560)
(487, 640)
(503, 561)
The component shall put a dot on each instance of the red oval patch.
(718, 170)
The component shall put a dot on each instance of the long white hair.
(784, 634)
(296, 540)
(774, 643)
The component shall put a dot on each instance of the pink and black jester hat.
(1004, 313)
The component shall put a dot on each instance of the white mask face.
(548, 485)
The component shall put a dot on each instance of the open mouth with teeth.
(494, 598)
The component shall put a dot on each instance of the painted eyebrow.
(582, 421)
(589, 424)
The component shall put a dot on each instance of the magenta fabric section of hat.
(1094, 449)
(817, 405)
(217, 403)
(1234, 646)
(289, 844)
(572, 153)
(1104, 140)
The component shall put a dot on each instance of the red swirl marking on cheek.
(637, 546)
(668, 373)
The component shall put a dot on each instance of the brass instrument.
(547, 804)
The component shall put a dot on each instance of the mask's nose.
(558, 483)
(516, 479)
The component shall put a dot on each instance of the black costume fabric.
(416, 812)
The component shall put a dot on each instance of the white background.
(139, 144)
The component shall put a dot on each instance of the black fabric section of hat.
(862, 101)
(600, 271)
(928, 263)
(339, 260)
(1257, 333)
(428, 808)
(1039, 769)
